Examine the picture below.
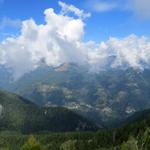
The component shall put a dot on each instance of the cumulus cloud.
(7, 22)
(59, 41)
(70, 8)
(121, 53)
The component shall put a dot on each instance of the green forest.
(135, 136)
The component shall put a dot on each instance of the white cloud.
(70, 8)
(141, 8)
(60, 41)
(9, 22)
(101, 6)
(122, 53)
(57, 42)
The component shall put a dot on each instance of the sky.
(109, 18)
(100, 33)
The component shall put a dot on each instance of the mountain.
(5, 77)
(138, 116)
(18, 114)
(108, 96)
(24, 117)
(133, 136)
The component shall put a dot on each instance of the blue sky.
(114, 21)
(98, 33)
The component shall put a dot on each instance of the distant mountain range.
(109, 96)
(18, 114)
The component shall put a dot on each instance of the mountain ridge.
(107, 96)
(19, 114)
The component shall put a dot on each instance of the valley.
(70, 108)
(76, 109)
(108, 97)
(135, 135)
(18, 114)
(74, 75)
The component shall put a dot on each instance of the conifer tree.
(131, 144)
(32, 144)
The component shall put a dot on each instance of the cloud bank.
(60, 41)
(122, 53)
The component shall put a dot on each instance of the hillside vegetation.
(108, 97)
(18, 114)
(135, 136)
